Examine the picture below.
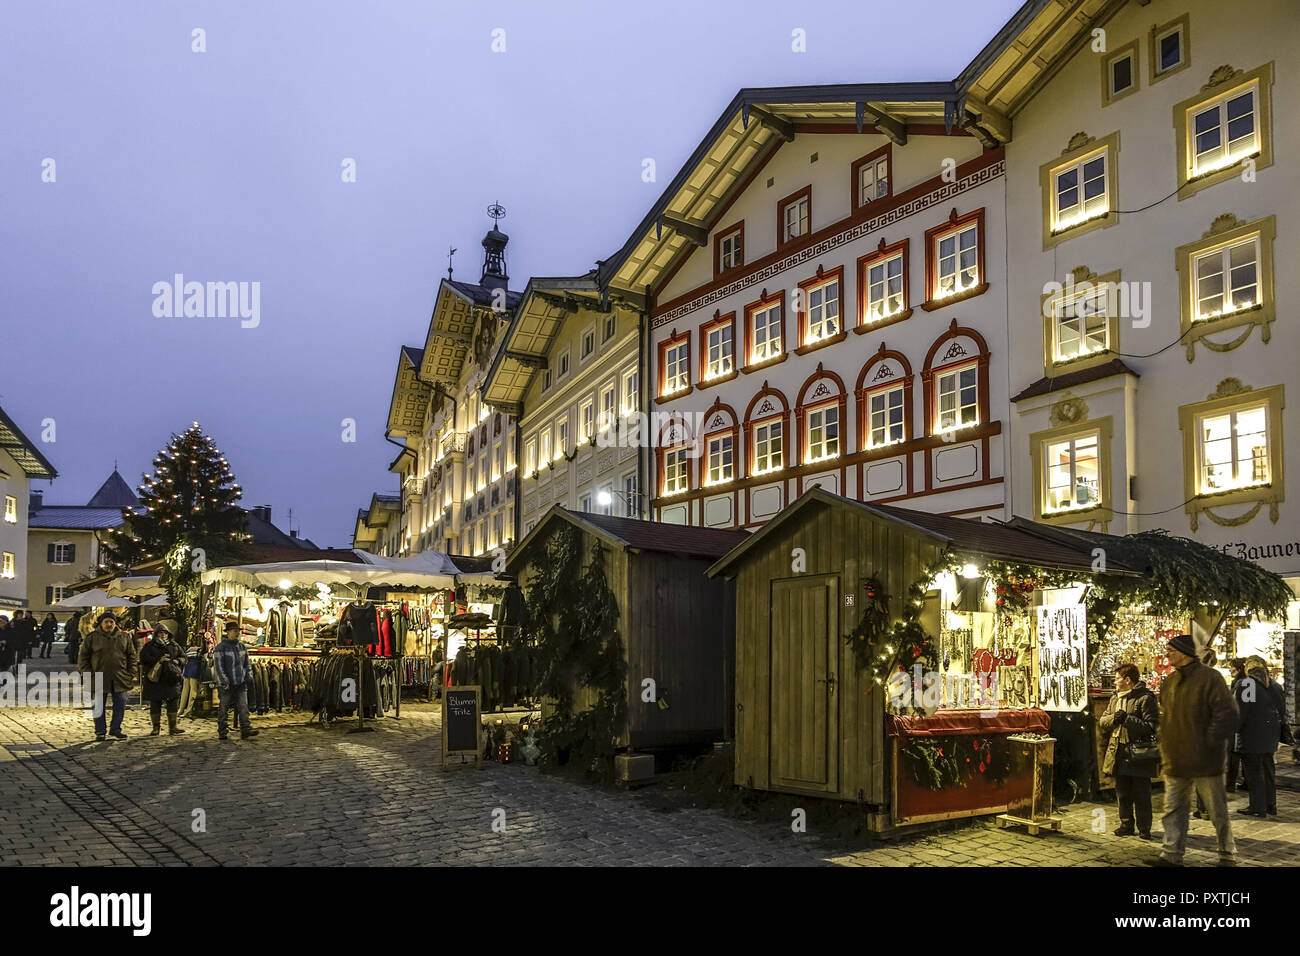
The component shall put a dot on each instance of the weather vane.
(450, 252)
(496, 211)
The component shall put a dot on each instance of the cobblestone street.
(299, 795)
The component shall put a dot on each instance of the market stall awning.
(428, 569)
(95, 597)
(140, 585)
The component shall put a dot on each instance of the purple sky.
(225, 166)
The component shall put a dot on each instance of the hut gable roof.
(633, 534)
(965, 535)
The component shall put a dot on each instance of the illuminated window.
(958, 398)
(823, 433)
(677, 470)
(721, 459)
(718, 357)
(885, 411)
(955, 257)
(822, 315)
(7, 567)
(631, 493)
(676, 367)
(631, 390)
(545, 444)
(766, 325)
(530, 457)
(884, 288)
(562, 436)
(608, 410)
(584, 504)
(1081, 325)
(1225, 130)
(1227, 279)
(586, 420)
(11, 509)
(1072, 473)
(1233, 449)
(768, 446)
(1079, 191)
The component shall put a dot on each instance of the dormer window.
(794, 216)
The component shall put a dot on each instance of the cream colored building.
(457, 463)
(1155, 207)
(20, 462)
(569, 368)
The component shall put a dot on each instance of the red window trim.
(674, 339)
(871, 157)
(863, 394)
(737, 471)
(823, 277)
(661, 453)
(928, 372)
(932, 237)
(717, 320)
(781, 241)
(764, 301)
(748, 425)
(801, 414)
(861, 325)
(718, 236)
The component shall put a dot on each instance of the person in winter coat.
(24, 631)
(49, 630)
(1236, 769)
(232, 669)
(72, 635)
(7, 655)
(1131, 720)
(166, 689)
(1197, 714)
(1262, 708)
(111, 652)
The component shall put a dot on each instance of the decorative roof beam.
(891, 126)
(780, 127)
(526, 360)
(561, 302)
(696, 234)
(628, 299)
(990, 126)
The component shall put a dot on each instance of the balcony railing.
(453, 441)
(414, 488)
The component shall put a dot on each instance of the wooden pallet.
(1005, 820)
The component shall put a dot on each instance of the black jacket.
(169, 687)
(1262, 707)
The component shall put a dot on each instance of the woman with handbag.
(1132, 757)
(161, 663)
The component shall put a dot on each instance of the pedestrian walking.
(1236, 768)
(49, 630)
(1197, 715)
(72, 636)
(1260, 725)
(161, 662)
(1131, 755)
(7, 655)
(24, 634)
(110, 652)
(191, 688)
(230, 662)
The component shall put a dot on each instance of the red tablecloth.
(1028, 720)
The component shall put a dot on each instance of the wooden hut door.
(805, 708)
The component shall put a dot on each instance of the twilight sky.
(225, 165)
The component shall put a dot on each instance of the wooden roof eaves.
(516, 556)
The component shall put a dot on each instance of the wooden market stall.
(674, 624)
(836, 598)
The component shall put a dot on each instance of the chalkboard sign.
(460, 723)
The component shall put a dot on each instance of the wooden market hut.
(676, 624)
(808, 721)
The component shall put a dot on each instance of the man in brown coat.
(1197, 714)
(111, 652)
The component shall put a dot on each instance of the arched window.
(956, 381)
(884, 399)
(820, 413)
(767, 424)
(721, 443)
(675, 450)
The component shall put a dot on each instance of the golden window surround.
(1226, 230)
(1081, 276)
(1099, 515)
(1224, 80)
(1081, 146)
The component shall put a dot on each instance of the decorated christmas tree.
(188, 515)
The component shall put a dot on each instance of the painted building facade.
(1151, 352)
(828, 309)
(570, 369)
(20, 462)
(457, 466)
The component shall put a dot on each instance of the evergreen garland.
(572, 614)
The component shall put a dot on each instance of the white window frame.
(631, 390)
(562, 366)
(562, 435)
(677, 367)
(722, 458)
(720, 341)
(880, 421)
(1071, 443)
(959, 407)
(677, 470)
(61, 554)
(586, 419)
(1237, 462)
(879, 174)
(1084, 209)
(1130, 55)
(530, 456)
(608, 407)
(769, 445)
(1156, 69)
(8, 565)
(769, 319)
(1227, 156)
(1086, 323)
(587, 344)
(821, 420)
(729, 251)
(819, 324)
(878, 302)
(545, 447)
(800, 224)
(609, 326)
(631, 492)
(955, 257)
(1224, 256)
(11, 509)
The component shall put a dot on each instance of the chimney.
(34, 501)
(293, 532)
(263, 512)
